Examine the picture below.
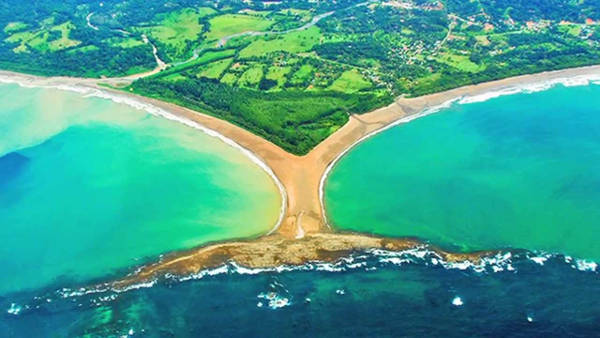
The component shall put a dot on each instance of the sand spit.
(303, 233)
(276, 251)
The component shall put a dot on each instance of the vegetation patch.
(215, 70)
(252, 76)
(229, 79)
(84, 49)
(14, 26)
(46, 40)
(176, 31)
(205, 58)
(124, 42)
(229, 24)
(303, 75)
(279, 74)
(460, 62)
(296, 121)
(296, 87)
(63, 41)
(293, 42)
(350, 81)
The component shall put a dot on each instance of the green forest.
(293, 71)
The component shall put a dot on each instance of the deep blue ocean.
(371, 295)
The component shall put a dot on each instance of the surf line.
(92, 91)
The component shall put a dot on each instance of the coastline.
(276, 253)
(302, 233)
(87, 88)
(469, 94)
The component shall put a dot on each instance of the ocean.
(515, 171)
(373, 294)
(89, 187)
(539, 285)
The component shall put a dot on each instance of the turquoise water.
(518, 171)
(89, 187)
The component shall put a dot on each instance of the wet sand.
(303, 233)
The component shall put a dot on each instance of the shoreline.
(88, 90)
(512, 87)
(275, 253)
(302, 232)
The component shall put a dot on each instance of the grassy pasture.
(41, 40)
(278, 74)
(214, 70)
(84, 49)
(176, 29)
(303, 74)
(252, 76)
(228, 24)
(14, 27)
(350, 81)
(229, 79)
(293, 42)
(124, 42)
(207, 57)
(64, 41)
(461, 62)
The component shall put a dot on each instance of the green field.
(14, 27)
(293, 42)
(229, 79)
(302, 75)
(124, 42)
(83, 49)
(350, 81)
(251, 76)
(52, 39)
(229, 24)
(215, 70)
(278, 74)
(205, 58)
(176, 30)
(460, 62)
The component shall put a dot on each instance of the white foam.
(457, 301)
(203, 273)
(488, 96)
(581, 80)
(374, 258)
(275, 301)
(144, 285)
(585, 265)
(539, 260)
(14, 309)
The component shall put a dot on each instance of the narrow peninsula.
(302, 233)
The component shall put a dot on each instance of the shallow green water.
(519, 171)
(88, 186)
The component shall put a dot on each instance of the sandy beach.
(303, 234)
